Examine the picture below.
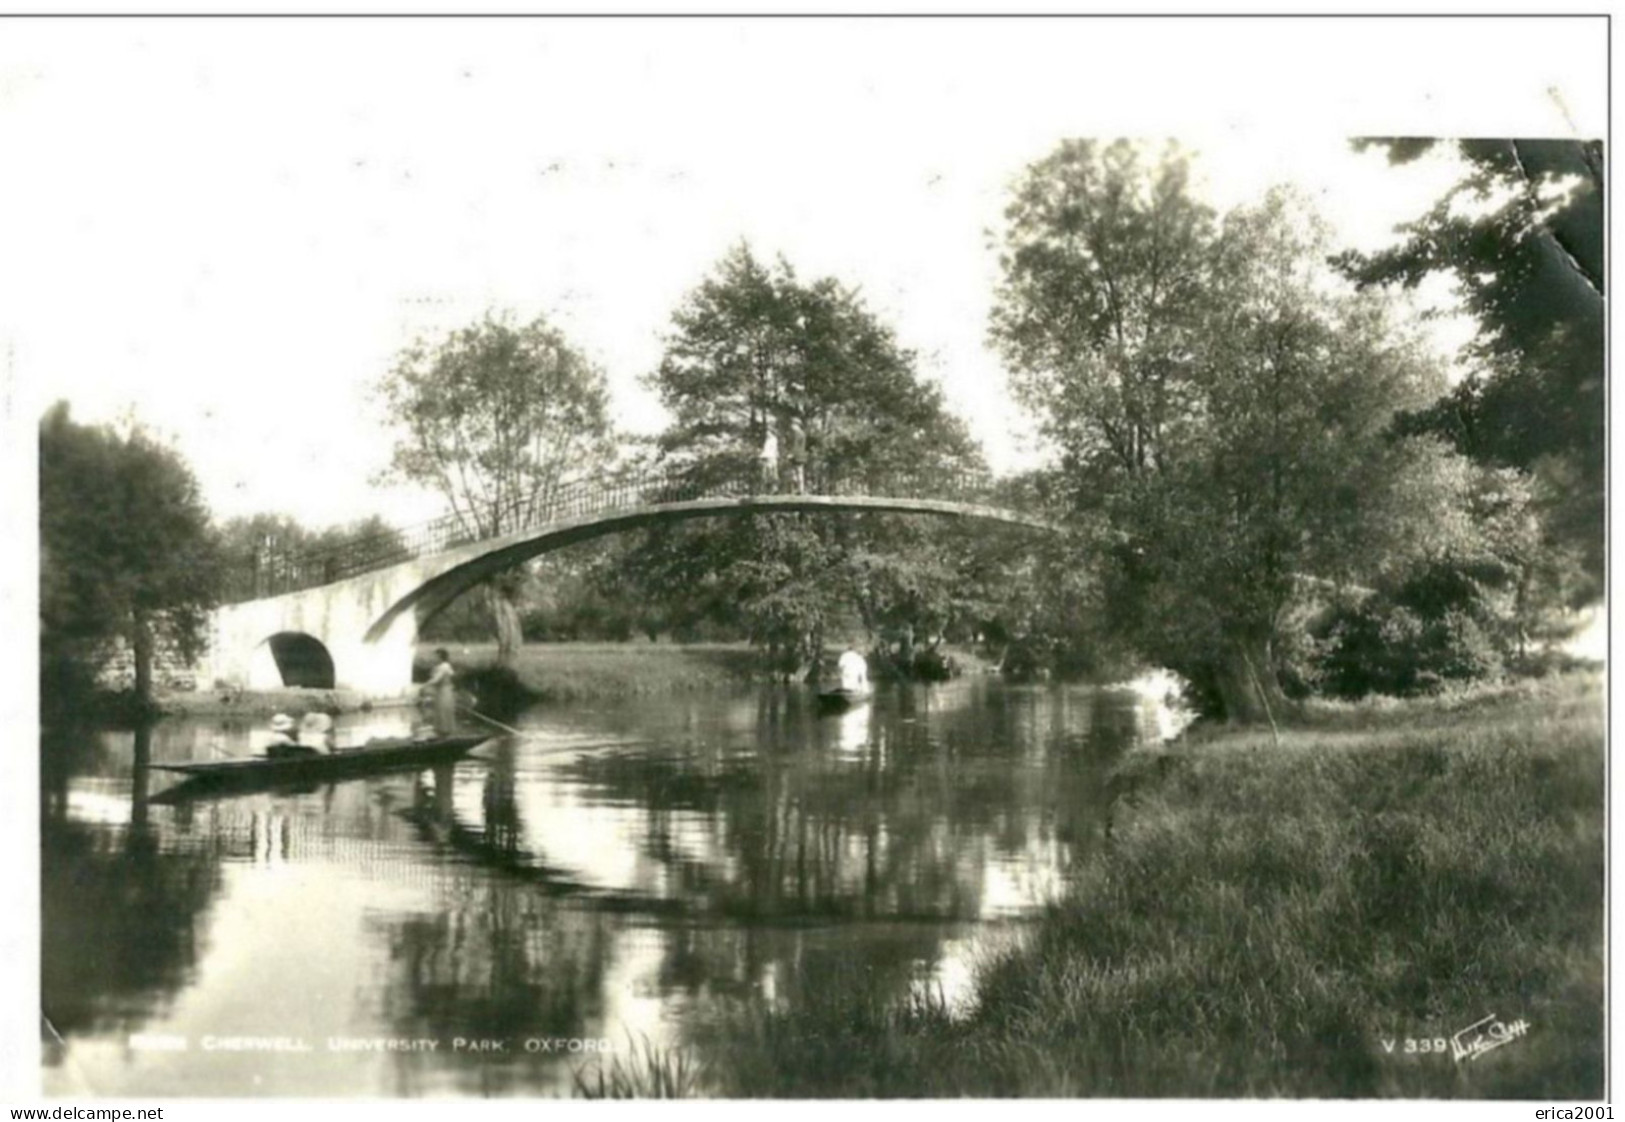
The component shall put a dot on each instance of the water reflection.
(122, 922)
(615, 872)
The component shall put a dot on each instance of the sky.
(226, 230)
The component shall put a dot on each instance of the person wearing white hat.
(316, 731)
(285, 738)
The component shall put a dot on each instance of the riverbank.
(556, 672)
(258, 704)
(545, 673)
(1307, 918)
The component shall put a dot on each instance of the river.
(621, 872)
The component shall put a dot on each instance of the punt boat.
(838, 699)
(389, 754)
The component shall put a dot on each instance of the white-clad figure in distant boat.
(442, 689)
(853, 670)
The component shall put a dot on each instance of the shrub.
(1384, 647)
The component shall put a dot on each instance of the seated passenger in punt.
(316, 731)
(284, 743)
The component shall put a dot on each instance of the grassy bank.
(582, 671)
(1265, 918)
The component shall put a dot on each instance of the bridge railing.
(277, 570)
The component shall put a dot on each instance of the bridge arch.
(292, 659)
(467, 566)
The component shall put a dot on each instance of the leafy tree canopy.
(788, 385)
(1221, 405)
(756, 352)
(1522, 236)
(497, 417)
(126, 549)
(247, 544)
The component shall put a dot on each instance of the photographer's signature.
(1485, 1035)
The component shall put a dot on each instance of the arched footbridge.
(348, 618)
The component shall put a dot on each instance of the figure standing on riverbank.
(442, 688)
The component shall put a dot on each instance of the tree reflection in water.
(624, 871)
(121, 923)
(772, 854)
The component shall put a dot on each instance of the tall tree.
(781, 384)
(759, 359)
(126, 550)
(1220, 408)
(1521, 234)
(1101, 302)
(496, 417)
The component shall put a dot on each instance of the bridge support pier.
(336, 616)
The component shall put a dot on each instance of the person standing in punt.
(853, 669)
(442, 688)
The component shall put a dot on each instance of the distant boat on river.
(838, 699)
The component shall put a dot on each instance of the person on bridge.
(442, 688)
(798, 458)
(770, 459)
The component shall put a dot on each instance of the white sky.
(229, 228)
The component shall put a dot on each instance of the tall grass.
(643, 1070)
(1272, 921)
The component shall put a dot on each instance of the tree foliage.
(126, 550)
(1100, 303)
(779, 384)
(246, 543)
(496, 418)
(1221, 407)
(1521, 234)
(1479, 604)
(754, 351)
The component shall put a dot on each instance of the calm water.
(621, 874)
